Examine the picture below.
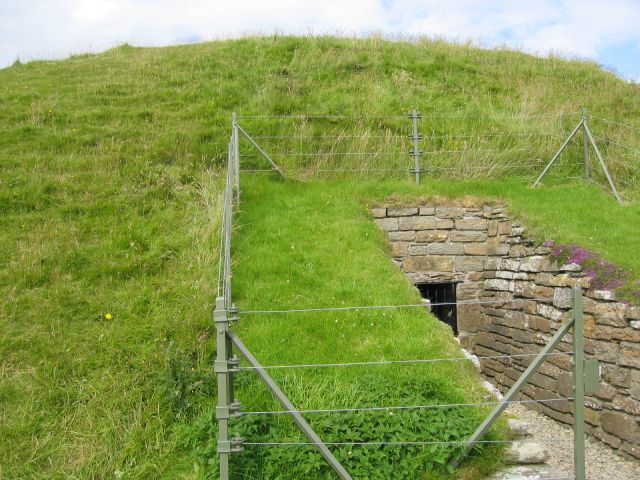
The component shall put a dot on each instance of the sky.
(607, 31)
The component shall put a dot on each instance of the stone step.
(528, 472)
(526, 452)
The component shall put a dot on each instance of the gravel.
(601, 462)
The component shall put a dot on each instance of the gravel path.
(601, 462)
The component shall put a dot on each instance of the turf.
(312, 244)
(110, 203)
(309, 245)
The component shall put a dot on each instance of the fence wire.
(401, 443)
(386, 307)
(401, 362)
(464, 149)
(406, 407)
(422, 116)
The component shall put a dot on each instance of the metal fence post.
(414, 115)
(236, 156)
(221, 368)
(603, 164)
(578, 385)
(585, 141)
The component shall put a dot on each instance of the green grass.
(312, 244)
(109, 202)
(306, 245)
(79, 394)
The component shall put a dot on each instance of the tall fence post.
(236, 155)
(414, 115)
(221, 368)
(585, 142)
(578, 385)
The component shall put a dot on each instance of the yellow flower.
(108, 316)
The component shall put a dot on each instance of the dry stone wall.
(489, 256)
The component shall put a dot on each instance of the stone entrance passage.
(512, 296)
(443, 295)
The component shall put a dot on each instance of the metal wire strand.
(400, 443)
(476, 150)
(486, 167)
(606, 140)
(337, 137)
(611, 122)
(406, 407)
(394, 136)
(364, 169)
(398, 153)
(374, 117)
(314, 116)
(628, 165)
(320, 170)
(382, 307)
(498, 117)
(320, 154)
(401, 362)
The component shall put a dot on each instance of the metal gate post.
(578, 386)
(414, 115)
(221, 368)
(585, 141)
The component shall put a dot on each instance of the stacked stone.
(444, 243)
(538, 298)
(494, 261)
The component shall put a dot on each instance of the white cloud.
(56, 28)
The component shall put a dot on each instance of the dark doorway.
(439, 293)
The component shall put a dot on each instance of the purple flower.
(579, 255)
(548, 243)
(604, 274)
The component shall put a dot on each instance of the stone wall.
(479, 247)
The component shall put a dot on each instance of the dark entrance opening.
(439, 293)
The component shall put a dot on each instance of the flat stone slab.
(520, 428)
(527, 472)
(526, 452)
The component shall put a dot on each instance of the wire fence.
(302, 149)
(393, 408)
(398, 443)
(423, 305)
(405, 362)
(451, 145)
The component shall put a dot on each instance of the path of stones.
(601, 462)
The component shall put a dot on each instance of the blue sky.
(605, 31)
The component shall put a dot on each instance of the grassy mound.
(109, 203)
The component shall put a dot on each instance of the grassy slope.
(312, 244)
(108, 203)
(308, 245)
